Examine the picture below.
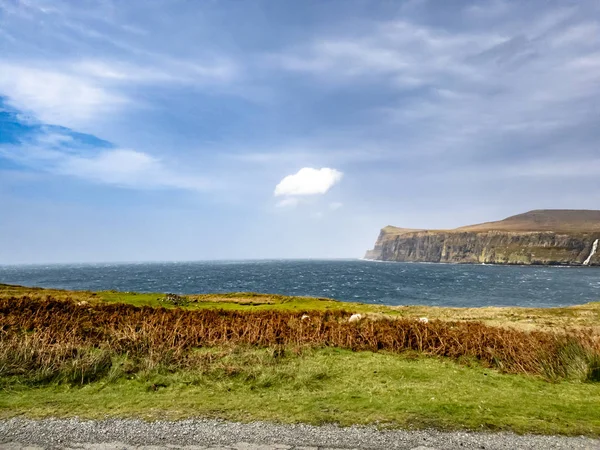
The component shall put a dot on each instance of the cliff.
(548, 237)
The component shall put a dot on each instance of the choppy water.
(348, 280)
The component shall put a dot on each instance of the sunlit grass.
(325, 386)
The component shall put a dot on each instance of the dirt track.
(19, 434)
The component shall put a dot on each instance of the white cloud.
(308, 181)
(335, 205)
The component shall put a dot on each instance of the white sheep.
(355, 318)
(423, 320)
(305, 317)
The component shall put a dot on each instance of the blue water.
(347, 280)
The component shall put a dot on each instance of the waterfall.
(593, 252)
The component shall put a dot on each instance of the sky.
(175, 130)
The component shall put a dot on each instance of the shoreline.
(374, 282)
(491, 264)
(232, 295)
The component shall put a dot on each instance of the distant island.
(545, 237)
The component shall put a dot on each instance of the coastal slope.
(546, 237)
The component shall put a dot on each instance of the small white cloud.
(308, 181)
(290, 202)
(335, 205)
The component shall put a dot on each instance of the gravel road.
(20, 434)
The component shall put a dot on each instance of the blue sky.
(179, 130)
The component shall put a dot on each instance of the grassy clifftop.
(555, 220)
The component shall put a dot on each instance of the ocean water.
(347, 280)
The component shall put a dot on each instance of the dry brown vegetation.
(585, 317)
(75, 341)
(555, 220)
(581, 317)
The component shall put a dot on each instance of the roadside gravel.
(113, 434)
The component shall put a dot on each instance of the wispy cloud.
(117, 167)
(59, 151)
(468, 92)
(89, 65)
(406, 54)
(127, 168)
(75, 93)
(57, 97)
(487, 10)
(290, 202)
(217, 71)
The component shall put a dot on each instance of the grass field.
(327, 386)
(63, 354)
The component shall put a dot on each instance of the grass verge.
(325, 386)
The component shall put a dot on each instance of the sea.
(384, 283)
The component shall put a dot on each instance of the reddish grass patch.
(38, 335)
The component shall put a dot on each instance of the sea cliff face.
(488, 246)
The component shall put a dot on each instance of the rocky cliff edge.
(547, 237)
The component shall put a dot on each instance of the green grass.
(324, 386)
(244, 301)
(228, 301)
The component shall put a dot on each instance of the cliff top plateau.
(556, 220)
